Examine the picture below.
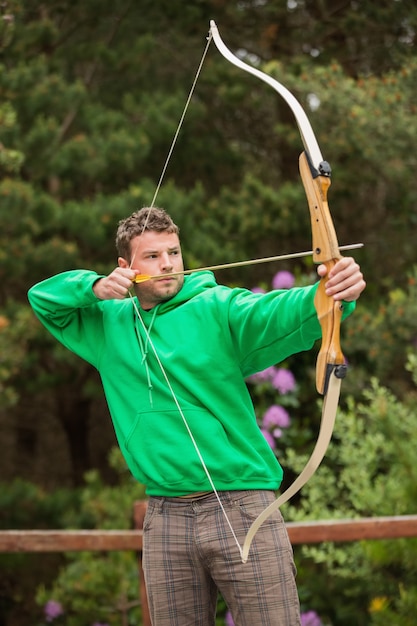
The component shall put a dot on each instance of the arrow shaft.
(141, 278)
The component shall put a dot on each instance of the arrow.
(141, 278)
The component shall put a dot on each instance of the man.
(173, 359)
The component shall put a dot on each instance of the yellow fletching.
(141, 278)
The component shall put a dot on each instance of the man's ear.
(122, 262)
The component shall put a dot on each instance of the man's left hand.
(345, 280)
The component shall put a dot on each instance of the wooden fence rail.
(109, 540)
(299, 532)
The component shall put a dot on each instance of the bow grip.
(330, 357)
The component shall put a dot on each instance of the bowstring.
(174, 140)
(187, 426)
(163, 371)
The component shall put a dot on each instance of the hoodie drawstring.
(144, 348)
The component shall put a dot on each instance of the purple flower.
(283, 380)
(52, 610)
(265, 376)
(270, 439)
(99, 624)
(310, 618)
(229, 619)
(257, 290)
(283, 280)
(276, 416)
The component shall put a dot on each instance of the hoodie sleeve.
(68, 308)
(268, 328)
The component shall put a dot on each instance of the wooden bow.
(330, 368)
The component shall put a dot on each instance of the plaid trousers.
(189, 555)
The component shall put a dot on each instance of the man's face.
(156, 253)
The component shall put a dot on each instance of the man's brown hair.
(147, 218)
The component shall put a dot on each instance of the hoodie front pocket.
(164, 447)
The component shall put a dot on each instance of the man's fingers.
(345, 280)
(116, 285)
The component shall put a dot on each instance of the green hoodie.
(181, 375)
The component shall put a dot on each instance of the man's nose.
(166, 263)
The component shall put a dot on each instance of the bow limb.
(304, 126)
(328, 418)
(330, 369)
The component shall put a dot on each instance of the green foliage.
(100, 587)
(24, 505)
(94, 589)
(373, 190)
(369, 471)
(10, 160)
(89, 585)
(16, 329)
(381, 337)
(111, 506)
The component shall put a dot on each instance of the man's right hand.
(116, 285)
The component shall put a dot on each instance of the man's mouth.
(166, 279)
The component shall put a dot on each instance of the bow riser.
(325, 244)
(329, 314)
(325, 250)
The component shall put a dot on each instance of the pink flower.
(310, 618)
(229, 619)
(270, 439)
(284, 381)
(52, 610)
(257, 290)
(265, 376)
(276, 416)
(283, 280)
